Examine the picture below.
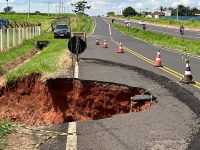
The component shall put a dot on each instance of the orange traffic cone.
(105, 44)
(158, 60)
(97, 41)
(188, 74)
(120, 48)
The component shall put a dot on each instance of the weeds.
(5, 127)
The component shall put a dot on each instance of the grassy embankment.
(47, 62)
(163, 40)
(167, 21)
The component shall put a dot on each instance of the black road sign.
(76, 45)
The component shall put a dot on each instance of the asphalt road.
(171, 124)
(188, 34)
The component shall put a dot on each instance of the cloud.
(98, 6)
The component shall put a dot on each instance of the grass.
(168, 21)
(85, 25)
(5, 128)
(163, 40)
(48, 60)
(25, 47)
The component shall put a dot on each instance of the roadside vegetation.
(48, 61)
(5, 127)
(163, 40)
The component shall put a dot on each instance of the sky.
(98, 7)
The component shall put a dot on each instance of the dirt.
(14, 63)
(30, 100)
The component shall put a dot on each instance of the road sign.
(76, 45)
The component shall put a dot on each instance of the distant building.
(168, 13)
(157, 14)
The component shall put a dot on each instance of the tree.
(111, 13)
(80, 7)
(129, 11)
(7, 9)
(161, 9)
(37, 12)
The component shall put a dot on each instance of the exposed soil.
(14, 63)
(31, 101)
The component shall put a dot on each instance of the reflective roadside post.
(182, 30)
(144, 27)
(128, 23)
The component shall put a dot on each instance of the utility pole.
(29, 7)
(60, 7)
(48, 8)
(7, 9)
(177, 13)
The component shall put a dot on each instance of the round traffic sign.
(76, 45)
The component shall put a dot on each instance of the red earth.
(31, 101)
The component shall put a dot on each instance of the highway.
(170, 124)
(188, 34)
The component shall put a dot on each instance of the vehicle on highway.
(127, 21)
(62, 30)
(141, 22)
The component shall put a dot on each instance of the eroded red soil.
(31, 101)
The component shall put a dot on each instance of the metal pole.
(29, 7)
(1, 39)
(7, 9)
(177, 13)
(60, 7)
(48, 8)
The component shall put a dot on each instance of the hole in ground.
(29, 100)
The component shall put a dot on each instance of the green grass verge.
(85, 24)
(48, 60)
(167, 21)
(25, 47)
(45, 62)
(5, 127)
(163, 40)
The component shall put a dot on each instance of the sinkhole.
(31, 101)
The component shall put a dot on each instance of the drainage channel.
(31, 101)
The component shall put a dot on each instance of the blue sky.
(98, 6)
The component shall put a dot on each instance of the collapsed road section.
(32, 101)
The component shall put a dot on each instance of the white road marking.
(76, 70)
(182, 53)
(72, 139)
(110, 30)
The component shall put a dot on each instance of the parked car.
(142, 22)
(62, 30)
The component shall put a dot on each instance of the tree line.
(182, 11)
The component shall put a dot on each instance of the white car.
(141, 22)
(127, 21)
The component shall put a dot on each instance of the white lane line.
(72, 139)
(76, 70)
(110, 30)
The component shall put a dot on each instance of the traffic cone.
(97, 41)
(188, 74)
(158, 60)
(105, 44)
(120, 48)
